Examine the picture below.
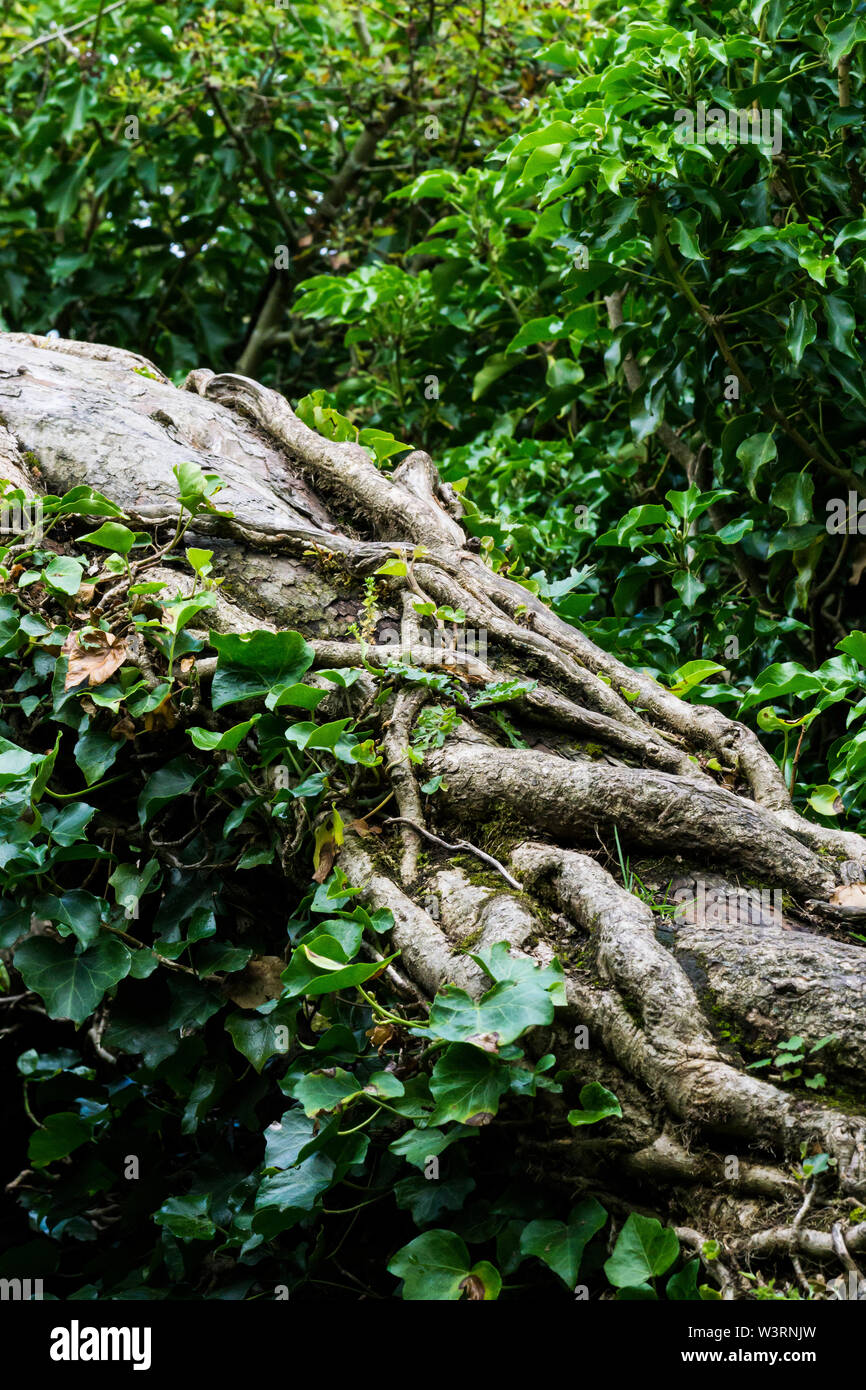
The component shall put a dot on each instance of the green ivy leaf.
(309, 973)
(130, 883)
(112, 536)
(256, 1036)
(325, 1090)
(60, 1135)
(466, 1084)
(298, 696)
(63, 574)
(755, 454)
(71, 986)
(213, 740)
(827, 801)
(643, 1249)
(187, 1217)
(284, 1198)
(793, 495)
(166, 785)
(683, 1286)
(82, 501)
(501, 965)
(495, 367)
(435, 1267)
(561, 1246)
(801, 330)
(684, 234)
(597, 1103)
(417, 1146)
(253, 664)
(692, 674)
(427, 1201)
(95, 753)
(75, 912)
(499, 1017)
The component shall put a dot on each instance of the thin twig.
(460, 845)
(212, 87)
(796, 760)
(61, 33)
(795, 1227)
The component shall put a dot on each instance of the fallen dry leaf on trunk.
(95, 660)
(361, 828)
(258, 982)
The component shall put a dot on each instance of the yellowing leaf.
(323, 962)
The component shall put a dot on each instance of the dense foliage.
(637, 358)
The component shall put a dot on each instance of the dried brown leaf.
(327, 855)
(380, 1035)
(473, 1287)
(124, 728)
(258, 982)
(95, 660)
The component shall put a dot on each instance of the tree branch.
(61, 33)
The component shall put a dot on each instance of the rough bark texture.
(675, 1006)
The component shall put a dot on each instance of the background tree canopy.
(476, 230)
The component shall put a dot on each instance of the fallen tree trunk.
(674, 1008)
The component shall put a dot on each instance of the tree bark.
(675, 1006)
(265, 327)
